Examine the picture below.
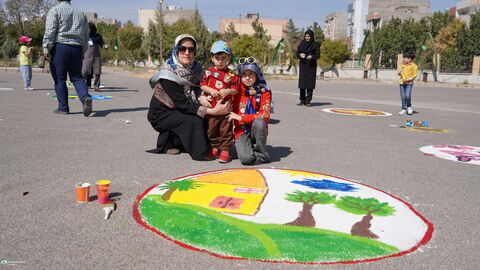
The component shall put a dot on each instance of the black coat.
(308, 68)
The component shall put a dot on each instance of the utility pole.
(160, 34)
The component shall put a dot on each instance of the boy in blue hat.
(220, 83)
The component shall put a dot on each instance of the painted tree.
(180, 185)
(309, 199)
(368, 207)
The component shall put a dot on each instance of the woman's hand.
(234, 116)
(309, 57)
(205, 101)
(224, 93)
(221, 109)
(302, 55)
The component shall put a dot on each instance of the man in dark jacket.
(308, 51)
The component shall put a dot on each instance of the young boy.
(25, 57)
(408, 73)
(220, 83)
(251, 111)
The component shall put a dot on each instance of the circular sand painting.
(276, 215)
(459, 153)
(360, 112)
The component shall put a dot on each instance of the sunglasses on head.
(183, 49)
(246, 60)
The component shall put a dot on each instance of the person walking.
(92, 61)
(25, 57)
(308, 51)
(64, 42)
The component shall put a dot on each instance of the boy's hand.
(399, 71)
(234, 116)
(205, 101)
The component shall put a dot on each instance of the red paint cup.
(103, 188)
(83, 192)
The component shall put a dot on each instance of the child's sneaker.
(211, 154)
(224, 157)
(409, 110)
(402, 112)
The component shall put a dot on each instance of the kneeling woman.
(175, 111)
(250, 114)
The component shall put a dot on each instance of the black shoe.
(300, 104)
(308, 105)
(57, 111)
(87, 107)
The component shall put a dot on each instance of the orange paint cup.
(103, 188)
(83, 192)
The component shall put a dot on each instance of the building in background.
(93, 17)
(465, 8)
(356, 20)
(336, 25)
(274, 27)
(370, 14)
(381, 11)
(171, 14)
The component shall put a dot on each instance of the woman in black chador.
(92, 61)
(308, 52)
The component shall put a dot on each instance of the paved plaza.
(43, 155)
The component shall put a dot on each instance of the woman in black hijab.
(92, 62)
(308, 51)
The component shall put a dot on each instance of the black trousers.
(308, 98)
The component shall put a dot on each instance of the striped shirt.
(67, 25)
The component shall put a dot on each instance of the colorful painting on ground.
(276, 215)
(429, 129)
(458, 153)
(94, 97)
(360, 112)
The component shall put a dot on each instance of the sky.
(302, 12)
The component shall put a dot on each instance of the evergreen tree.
(230, 33)
(260, 32)
(318, 32)
(203, 37)
(151, 44)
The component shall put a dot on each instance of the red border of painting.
(428, 234)
(334, 110)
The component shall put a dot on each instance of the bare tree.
(25, 15)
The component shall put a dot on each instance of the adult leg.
(302, 96)
(58, 68)
(309, 96)
(88, 79)
(75, 72)
(23, 69)
(96, 82)
(243, 144)
(259, 136)
(189, 128)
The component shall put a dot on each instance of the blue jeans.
(406, 95)
(67, 59)
(27, 75)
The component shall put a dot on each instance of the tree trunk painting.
(305, 217)
(166, 195)
(362, 228)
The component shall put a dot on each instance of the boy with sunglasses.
(220, 83)
(251, 112)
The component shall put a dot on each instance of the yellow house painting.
(237, 192)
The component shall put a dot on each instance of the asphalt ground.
(46, 154)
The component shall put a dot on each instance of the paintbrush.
(108, 207)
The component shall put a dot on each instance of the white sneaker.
(29, 89)
(402, 112)
(409, 111)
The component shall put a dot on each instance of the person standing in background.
(92, 61)
(308, 51)
(25, 57)
(64, 42)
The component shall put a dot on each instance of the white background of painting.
(436, 152)
(403, 230)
